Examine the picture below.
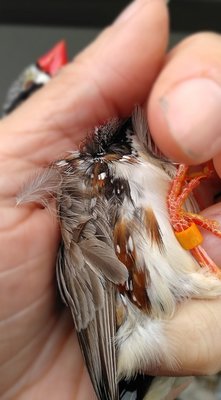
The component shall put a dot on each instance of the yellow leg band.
(190, 237)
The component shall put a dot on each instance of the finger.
(217, 163)
(106, 79)
(194, 333)
(184, 107)
(198, 321)
(211, 242)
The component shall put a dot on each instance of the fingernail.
(192, 110)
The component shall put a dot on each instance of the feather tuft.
(40, 188)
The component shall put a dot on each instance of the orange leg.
(205, 261)
(181, 188)
(183, 222)
(205, 223)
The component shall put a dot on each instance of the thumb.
(211, 242)
(184, 107)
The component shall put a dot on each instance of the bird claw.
(185, 223)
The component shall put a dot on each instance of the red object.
(52, 61)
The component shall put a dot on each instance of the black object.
(186, 15)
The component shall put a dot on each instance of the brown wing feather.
(152, 228)
(137, 282)
(88, 272)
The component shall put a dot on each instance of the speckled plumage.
(120, 267)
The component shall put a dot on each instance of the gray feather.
(98, 346)
(81, 290)
(41, 187)
(102, 259)
(87, 271)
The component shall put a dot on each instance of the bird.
(35, 76)
(130, 252)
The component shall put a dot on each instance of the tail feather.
(135, 389)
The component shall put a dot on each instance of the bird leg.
(185, 223)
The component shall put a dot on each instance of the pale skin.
(39, 354)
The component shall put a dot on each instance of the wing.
(91, 300)
(98, 347)
(88, 272)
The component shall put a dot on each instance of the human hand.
(185, 121)
(39, 354)
(38, 351)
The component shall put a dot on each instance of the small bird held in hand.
(130, 253)
(121, 268)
